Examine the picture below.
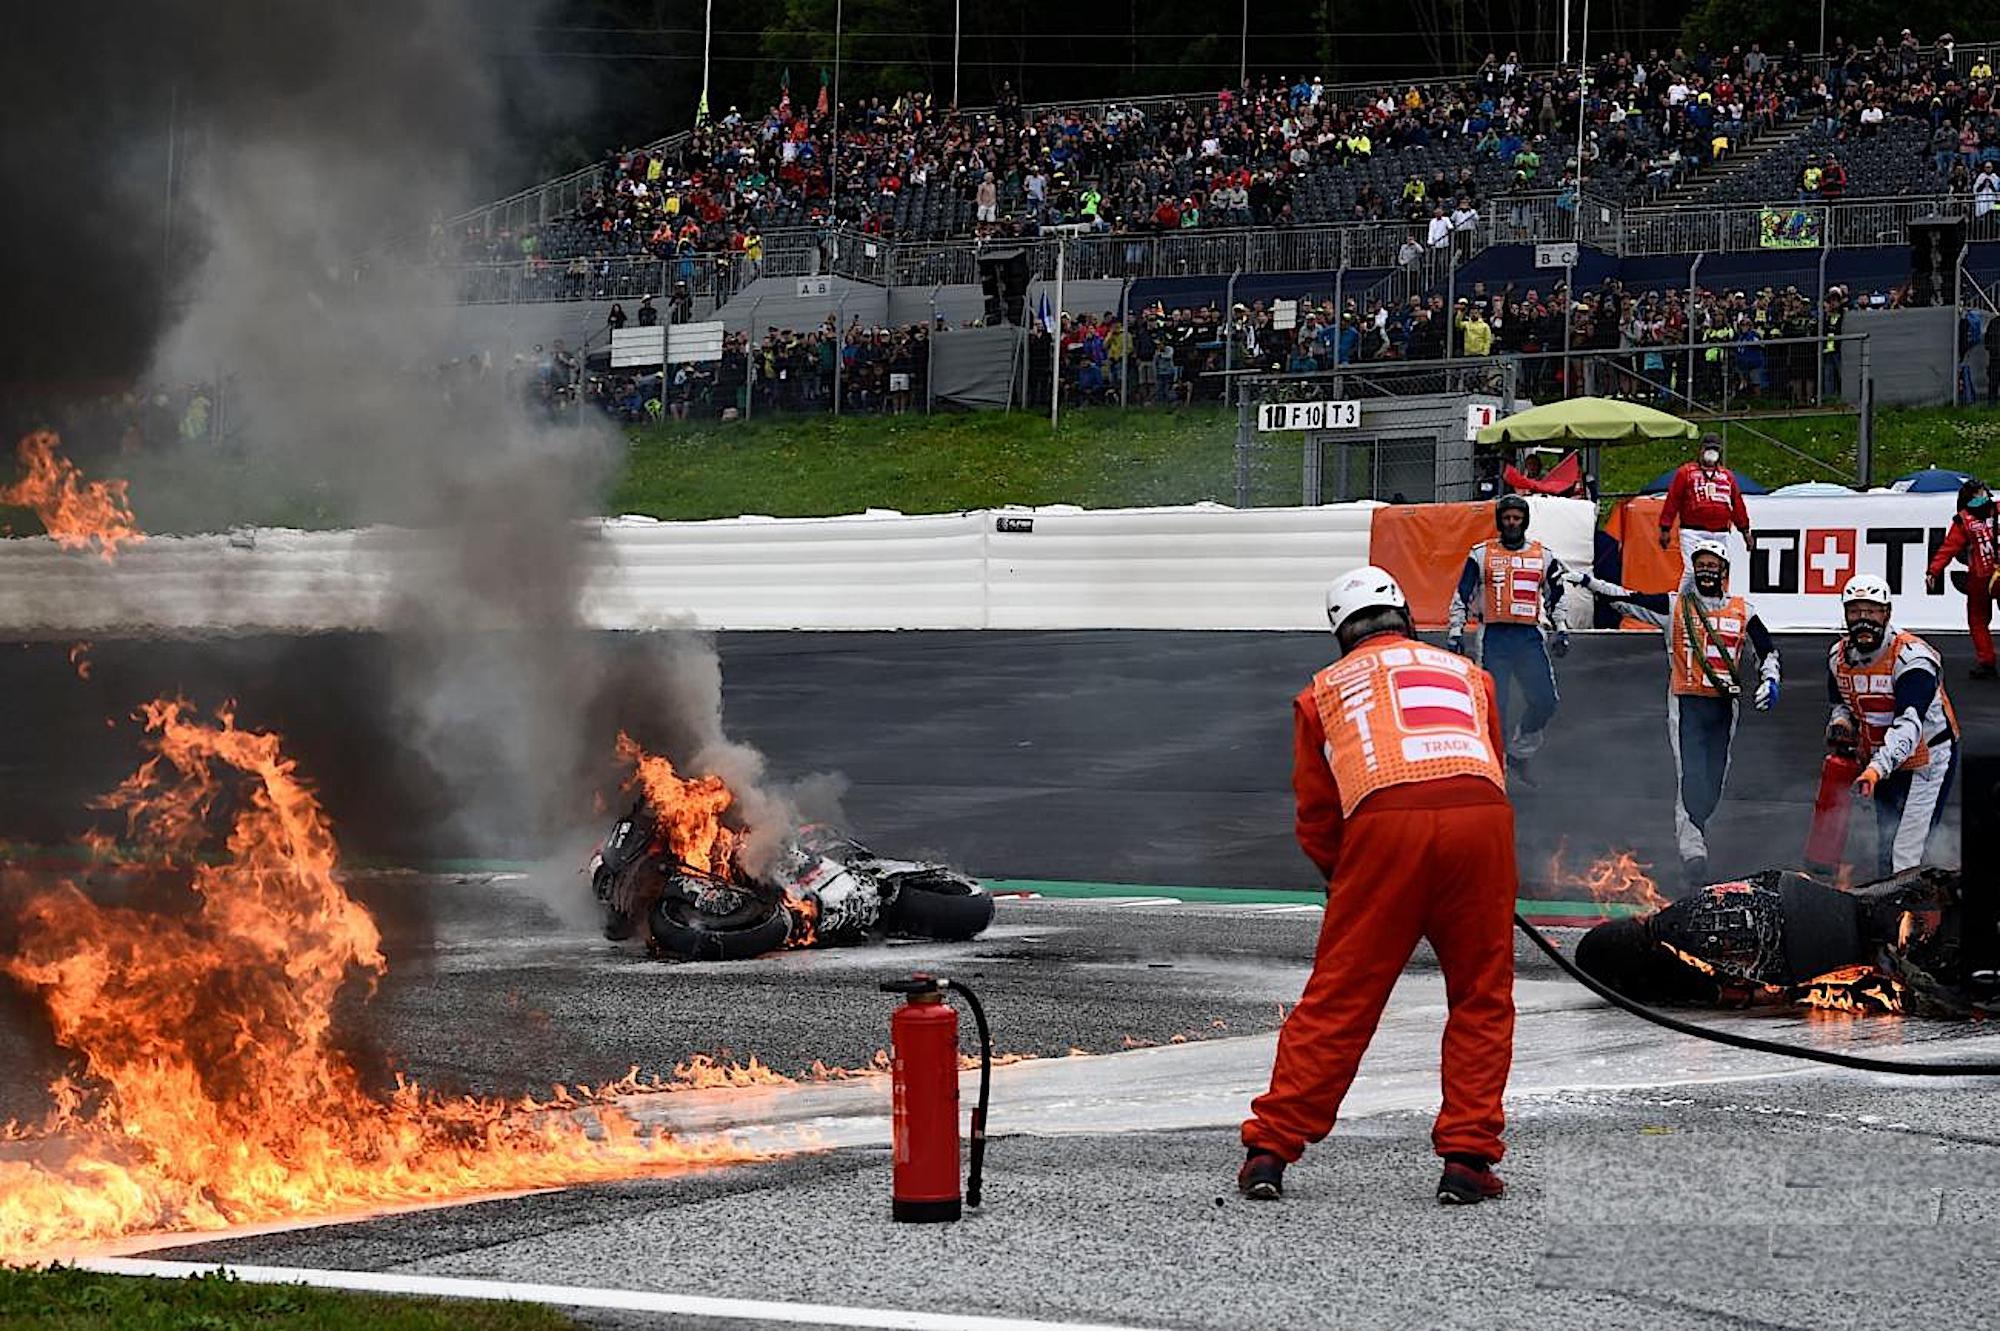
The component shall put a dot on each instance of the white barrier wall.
(1203, 566)
(1200, 567)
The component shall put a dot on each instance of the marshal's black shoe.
(1465, 1185)
(1262, 1178)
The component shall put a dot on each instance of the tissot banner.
(1803, 551)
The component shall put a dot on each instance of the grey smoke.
(306, 137)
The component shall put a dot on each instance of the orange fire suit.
(1430, 859)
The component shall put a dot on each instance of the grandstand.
(1722, 195)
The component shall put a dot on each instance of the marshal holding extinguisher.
(923, 1034)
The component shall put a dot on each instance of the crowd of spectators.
(1277, 152)
(870, 370)
(1772, 344)
(1885, 117)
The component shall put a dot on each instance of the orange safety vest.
(1398, 711)
(1721, 646)
(1514, 583)
(1870, 694)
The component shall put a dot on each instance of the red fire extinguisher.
(1826, 842)
(924, 1035)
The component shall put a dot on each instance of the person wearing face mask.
(1513, 586)
(1706, 629)
(1974, 537)
(1705, 501)
(1886, 686)
(1402, 806)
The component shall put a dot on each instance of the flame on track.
(75, 512)
(209, 1088)
(1617, 878)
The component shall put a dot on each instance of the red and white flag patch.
(1431, 699)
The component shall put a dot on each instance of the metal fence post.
(839, 347)
(1243, 442)
(1864, 428)
(1819, 341)
(1694, 302)
(1125, 340)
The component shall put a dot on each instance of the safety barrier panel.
(1804, 548)
(1201, 566)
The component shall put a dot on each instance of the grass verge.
(1105, 458)
(795, 466)
(60, 1299)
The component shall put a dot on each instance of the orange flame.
(689, 809)
(210, 1091)
(690, 812)
(74, 512)
(79, 659)
(1860, 989)
(1618, 878)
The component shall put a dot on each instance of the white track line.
(574, 1296)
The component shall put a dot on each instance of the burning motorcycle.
(825, 889)
(1780, 936)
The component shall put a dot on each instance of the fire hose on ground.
(1858, 1062)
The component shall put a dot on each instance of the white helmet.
(1704, 547)
(1366, 588)
(1865, 587)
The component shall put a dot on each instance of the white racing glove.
(1767, 695)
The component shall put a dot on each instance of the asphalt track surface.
(1155, 758)
(1655, 1180)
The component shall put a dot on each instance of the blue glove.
(1767, 695)
(1456, 643)
(1561, 647)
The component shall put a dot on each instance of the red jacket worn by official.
(1704, 499)
(1973, 540)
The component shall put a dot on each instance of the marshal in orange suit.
(1402, 803)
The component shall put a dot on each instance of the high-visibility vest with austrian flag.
(1513, 580)
(1869, 691)
(1719, 643)
(1396, 711)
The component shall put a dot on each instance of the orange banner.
(1635, 525)
(1424, 547)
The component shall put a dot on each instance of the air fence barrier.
(1202, 566)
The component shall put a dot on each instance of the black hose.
(978, 1153)
(1658, 1018)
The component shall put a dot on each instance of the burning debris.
(1784, 937)
(210, 1090)
(79, 659)
(677, 863)
(76, 513)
